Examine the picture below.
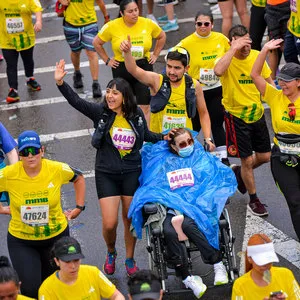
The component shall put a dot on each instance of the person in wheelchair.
(191, 187)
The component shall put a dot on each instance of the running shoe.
(77, 80)
(257, 208)
(221, 276)
(196, 285)
(170, 27)
(12, 96)
(130, 266)
(164, 19)
(97, 93)
(109, 266)
(33, 84)
(241, 185)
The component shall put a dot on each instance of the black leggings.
(288, 180)
(11, 57)
(32, 261)
(175, 250)
(213, 99)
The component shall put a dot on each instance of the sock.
(172, 21)
(77, 72)
(253, 197)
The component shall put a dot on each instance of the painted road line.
(284, 245)
(67, 67)
(50, 39)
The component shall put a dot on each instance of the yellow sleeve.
(105, 33)
(294, 290)
(2, 181)
(271, 94)
(35, 6)
(107, 288)
(236, 293)
(266, 71)
(66, 173)
(45, 295)
(156, 30)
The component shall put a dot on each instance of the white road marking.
(284, 245)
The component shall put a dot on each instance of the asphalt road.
(67, 138)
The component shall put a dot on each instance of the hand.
(125, 46)
(239, 43)
(4, 210)
(153, 59)
(72, 214)
(60, 72)
(167, 137)
(37, 26)
(211, 146)
(65, 2)
(113, 63)
(273, 44)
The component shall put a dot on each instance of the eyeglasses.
(206, 24)
(292, 111)
(184, 144)
(26, 151)
(181, 51)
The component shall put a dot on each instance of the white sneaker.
(221, 276)
(152, 17)
(212, 1)
(196, 285)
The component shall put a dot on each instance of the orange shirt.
(276, 2)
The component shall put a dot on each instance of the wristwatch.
(80, 207)
(208, 139)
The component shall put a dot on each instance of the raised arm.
(258, 80)
(109, 61)
(148, 78)
(160, 42)
(236, 44)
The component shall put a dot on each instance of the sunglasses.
(292, 111)
(181, 51)
(26, 151)
(184, 144)
(206, 24)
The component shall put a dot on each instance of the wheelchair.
(157, 254)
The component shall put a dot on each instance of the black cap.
(289, 72)
(145, 290)
(67, 249)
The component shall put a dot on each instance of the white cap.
(262, 254)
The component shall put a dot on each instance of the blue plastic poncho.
(203, 202)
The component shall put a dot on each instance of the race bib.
(170, 122)
(137, 52)
(35, 215)
(180, 178)
(289, 148)
(208, 77)
(293, 5)
(123, 138)
(14, 25)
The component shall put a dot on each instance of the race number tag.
(14, 25)
(180, 178)
(289, 148)
(137, 52)
(170, 122)
(293, 5)
(35, 215)
(123, 138)
(208, 77)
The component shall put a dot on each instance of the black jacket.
(108, 158)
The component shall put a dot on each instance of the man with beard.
(174, 95)
(246, 129)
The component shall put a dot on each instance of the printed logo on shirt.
(209, 57)
(244, 79)
(91, 290)
(50, 185)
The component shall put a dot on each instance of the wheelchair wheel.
(227, 246)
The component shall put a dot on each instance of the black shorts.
(109, 185)
(141, 91)
(243, 138)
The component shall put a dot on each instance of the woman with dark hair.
(202, 69)
(142, 31)
(262, 280)
(121, 130)
(9, 281)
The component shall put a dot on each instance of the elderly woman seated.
(185, 180)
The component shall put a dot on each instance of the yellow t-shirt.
(141, 35)
(122, 135)
(81, 12)
(203, 53)
(283, 279)
(294, 21)
(16, 28)
(35, 203)
(21, 297)
(259, 3)
(278, 103)
(174, 114)
(91, 284)
(240, 96)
